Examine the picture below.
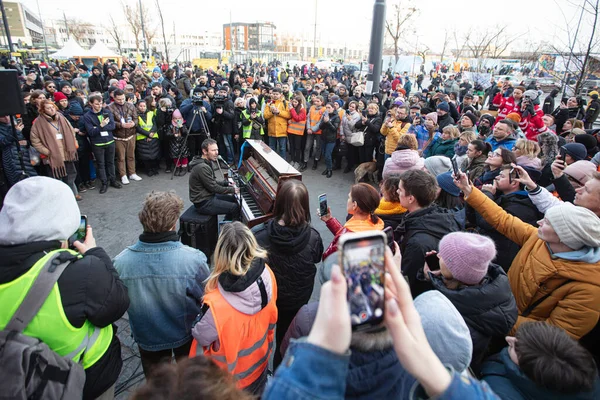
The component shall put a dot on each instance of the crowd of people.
(491, 290)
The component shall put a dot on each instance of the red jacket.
(352, 225)
(505, 105)
(533, 125)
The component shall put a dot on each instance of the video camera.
(197, 98)
(219, 100)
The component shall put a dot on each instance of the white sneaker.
(124, 180)
(135, 177)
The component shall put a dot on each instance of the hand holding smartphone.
(362, 257)
(389, 236)
(323, 208)
(80, 233)
(455, 168)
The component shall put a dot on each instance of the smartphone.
(433, 262)
(19, 120)
(563, 155)
(80, 232)
(455, 167)
(389, 236)
(361, 256)
(323, 209)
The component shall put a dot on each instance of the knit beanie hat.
(581, 171)
(472, 117)
(443, 324)
(489, 118)
(438, 165)
(443, 106)
(589, 141)
(575, 226)
(446, 183)
(38, 209)
(531, 94)
(514, 117)
(467, 255)
(156, 69)
(433, 116)
(58, 96)
(175, 116)
(576, 150)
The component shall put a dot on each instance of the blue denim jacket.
(165, 284)
(310, 372)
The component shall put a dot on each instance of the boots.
(315, 164)
(303, 166)
(329, 173)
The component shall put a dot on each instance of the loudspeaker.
(11, 100)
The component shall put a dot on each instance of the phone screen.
(455, 168)
(563, 154)
(363, 265)
(433, 262)
(80, 232)
(389, 235)
(323, 204)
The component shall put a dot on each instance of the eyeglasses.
(51, 87)
(494, 154)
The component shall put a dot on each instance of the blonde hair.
(469, 136)
(452, 130)
(409, 141)
(235, 251)
(528, 148)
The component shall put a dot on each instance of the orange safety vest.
(315, 115)
(295, 127)
(246, 341)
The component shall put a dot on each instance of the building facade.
(255, 37)
(26, 29)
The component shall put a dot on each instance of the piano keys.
(262, 171)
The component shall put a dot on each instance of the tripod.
(204, 127)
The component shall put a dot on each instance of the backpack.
(29, 368)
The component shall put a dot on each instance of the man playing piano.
(209, 195)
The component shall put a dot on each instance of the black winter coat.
(518, 204)
(418, 233)
(489, 309)
(329, 129)
(147, 149)
(96, 83)
(90, 289)
(373, 126)
(10, 155)
(225, 123)
(292, 255)
(177, 144)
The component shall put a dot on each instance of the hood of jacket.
(407, 159)
(376, 375)
(287, 239)
(16, 260)
(243, 292)
(489, 307)
(507, 380)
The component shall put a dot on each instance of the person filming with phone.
(39, 217)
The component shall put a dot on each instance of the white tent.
(70, 49)
(101, 50)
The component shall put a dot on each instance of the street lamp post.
(6, 28)
(376, 47)
(43, 30)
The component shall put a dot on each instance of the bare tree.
(399, 24)
(132, 17)
(459, 44)
(164, 35)
(592, 8)
(423, 52)
(115, 33)
(491, 43)
(446, 41)
(79, 30)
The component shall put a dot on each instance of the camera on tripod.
(197, 99)
(219, 100)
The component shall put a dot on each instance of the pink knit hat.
(467, 255)
(432, 116)
(176, 115)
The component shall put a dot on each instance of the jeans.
(278, 144)
(125, 150)
(328, 151)
(71, 176)
(296, 148)
(105, 162)
(312, 140)
(152, 359)
(220, 204)
(228, 139)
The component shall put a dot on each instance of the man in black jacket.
(224, 123)
(211, 197)
(38, 217)
(96, 82)
(511, 196)
(423, 226)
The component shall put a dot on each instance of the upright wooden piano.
(262, 171)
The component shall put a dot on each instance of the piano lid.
(279, 165)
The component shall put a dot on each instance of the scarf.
(389, 208)
(460, 150)
(46, 131)
(159, 237)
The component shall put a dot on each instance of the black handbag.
(340, 150)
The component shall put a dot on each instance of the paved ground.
(114, 219)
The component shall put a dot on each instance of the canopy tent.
(70, 50)
(101, 50)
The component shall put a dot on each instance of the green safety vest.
(146, 125)
(50, 325)
(247, 129)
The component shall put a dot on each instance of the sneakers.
(124, 180)
(82, 188)
(116, 184)
(90, 185)
(135, 177)
(78, 197)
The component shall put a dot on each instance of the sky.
(346, 21)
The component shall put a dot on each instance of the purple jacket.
(402, 161)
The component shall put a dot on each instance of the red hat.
(58, 96)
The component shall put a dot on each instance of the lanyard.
(57, 127)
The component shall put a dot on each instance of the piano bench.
(199, 231)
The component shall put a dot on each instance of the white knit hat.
(575, 226)
(38, 209)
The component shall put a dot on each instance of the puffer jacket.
(329, 129)
(348, 124)
(373, 128)
(392, 135)
(518, 204)
(489, 309)
(475, 168)
(352, 225)
(573, 286)
(441, 148)
(10, 155)
(178, 144)
(419, 232)
(401, 161)
(147, 148)
(278, 123)
(292, 255)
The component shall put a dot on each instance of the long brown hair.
(366, 198)
(292, 204)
